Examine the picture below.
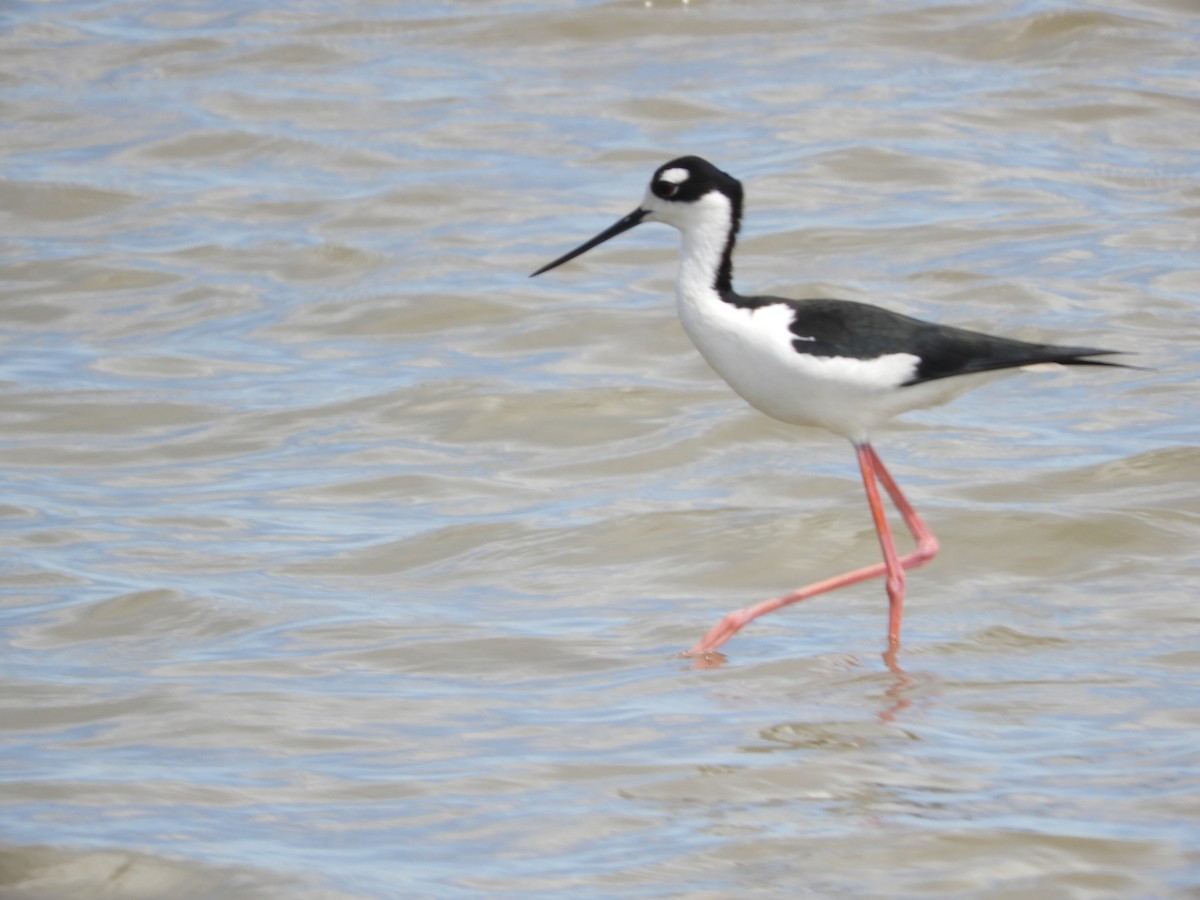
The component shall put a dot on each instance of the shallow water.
(345, 561)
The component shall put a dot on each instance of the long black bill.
(624, 224)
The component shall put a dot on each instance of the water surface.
(342, 560)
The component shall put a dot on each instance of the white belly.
(752, 349)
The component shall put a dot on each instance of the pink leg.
(893, 567)
(927, 548)
(893, 571)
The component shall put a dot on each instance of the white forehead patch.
(675, 176)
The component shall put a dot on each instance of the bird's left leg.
(894, 570)
(927, 545)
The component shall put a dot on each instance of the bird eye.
(665, 189)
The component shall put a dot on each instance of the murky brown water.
(344, 561)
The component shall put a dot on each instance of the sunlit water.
(342, 560)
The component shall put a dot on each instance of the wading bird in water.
(837, 364)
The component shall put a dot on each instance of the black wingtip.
(1084, 361)
(1083, 356)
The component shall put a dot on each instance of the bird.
(842, 365)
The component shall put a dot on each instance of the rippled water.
(342, 560)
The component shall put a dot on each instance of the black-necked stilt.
(838, 364)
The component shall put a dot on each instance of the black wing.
(861, 331)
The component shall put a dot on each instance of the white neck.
(705, 227)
